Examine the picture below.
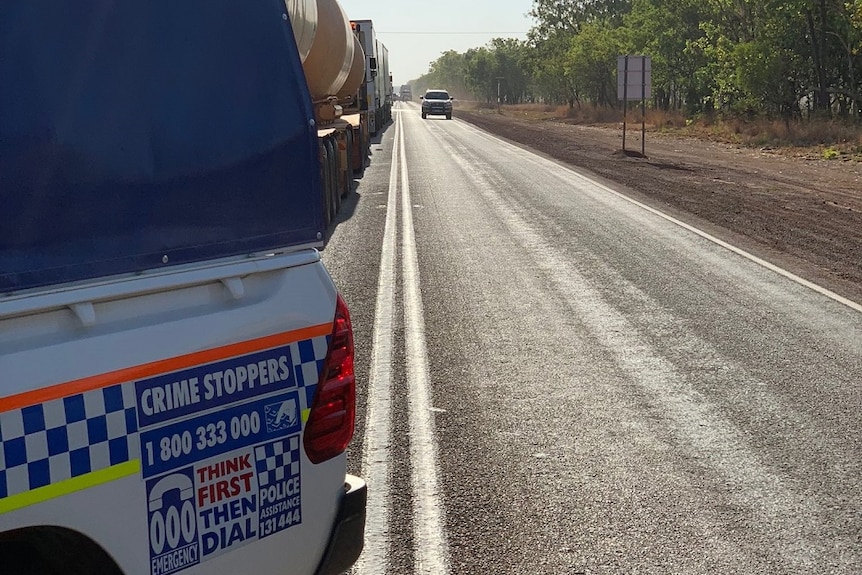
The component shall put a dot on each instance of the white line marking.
(739, 251)
(376, 443)
(431, 550)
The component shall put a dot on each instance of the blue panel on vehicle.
(131, 131)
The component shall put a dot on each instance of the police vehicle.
(176, 366)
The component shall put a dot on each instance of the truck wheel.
(348, 169)
(332, 166)
(325, 182)
(424, 115)
(448, 116)
(340, 171)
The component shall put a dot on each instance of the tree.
(481, 73)
(448, 72)
(546, 63)
(569, 16)
(758, 56)
(666, 31)
(846, 28)
(769, 78)
(558, 23)
(592, 61)
(778, 58)
(511, 68)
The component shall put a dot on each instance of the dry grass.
(828, 139)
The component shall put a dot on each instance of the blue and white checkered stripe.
(277, 461)
(308, 356)
(64, 438)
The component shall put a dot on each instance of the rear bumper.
(348, 534)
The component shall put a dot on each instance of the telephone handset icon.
(165, 484)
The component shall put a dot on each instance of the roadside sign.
(634, 82)
(634, 78)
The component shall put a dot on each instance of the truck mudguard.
(135, 135)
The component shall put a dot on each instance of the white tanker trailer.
(335, 67)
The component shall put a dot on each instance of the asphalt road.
(556, 379)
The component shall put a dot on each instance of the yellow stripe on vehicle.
(72, 485)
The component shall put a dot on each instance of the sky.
(416, 32)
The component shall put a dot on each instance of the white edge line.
(431, 549)
(770, 266)
(377, 438)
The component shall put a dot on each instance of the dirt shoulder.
(802, 214)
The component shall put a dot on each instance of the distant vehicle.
(437, 103)
(406, 93)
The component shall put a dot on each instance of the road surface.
(556, 379)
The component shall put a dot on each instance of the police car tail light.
(330, 423)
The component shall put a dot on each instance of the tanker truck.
(335, 65)
(177, 386)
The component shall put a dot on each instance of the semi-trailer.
(376, 91)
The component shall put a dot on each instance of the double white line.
(431, 551)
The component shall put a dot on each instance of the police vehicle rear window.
(139, 134)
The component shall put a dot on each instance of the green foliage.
(669, 32)
(546, 63)
(752, 58)
(481, 73)
(591, 63)
(510, 58)
(766, 78)
(569, 16)
(831, 154)
(446, 72)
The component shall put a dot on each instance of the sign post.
(634, 82)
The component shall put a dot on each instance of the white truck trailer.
(376, 91)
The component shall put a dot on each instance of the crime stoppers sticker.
(220, 457)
